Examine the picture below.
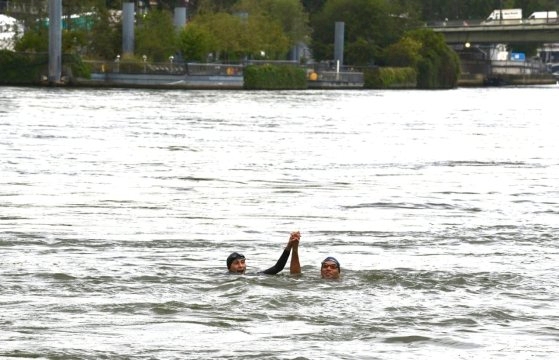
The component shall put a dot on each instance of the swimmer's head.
(236, 263)
(330, 268)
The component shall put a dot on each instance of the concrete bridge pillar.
(339, 43)
(127, 28)
(55, 41)
(180, 14)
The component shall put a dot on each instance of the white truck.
(509, 16)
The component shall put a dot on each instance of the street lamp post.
(145, 60)
(117, 63)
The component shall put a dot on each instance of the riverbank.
(479, 80)
(228, 80)
(231, 77)
(214, 77)
(236, 82)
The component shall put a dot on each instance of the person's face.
(329, 270)
(238, 266)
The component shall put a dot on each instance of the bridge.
(507, 31)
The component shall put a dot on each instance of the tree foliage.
(233, 30)
(403, 53)
(156, 36)
(289, 13)
(196, 42)
(313, 6)
(104, 41)
(95, 38)
(232, 37)
(35, 39)
(370, 25)
(437, 65)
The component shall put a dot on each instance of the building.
(10, 29)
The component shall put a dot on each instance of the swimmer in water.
(330, 267)
(236, 262)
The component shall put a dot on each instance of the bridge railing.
(454, 23)
(484, 22)
(518, 67)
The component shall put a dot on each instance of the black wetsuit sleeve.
(279, 265)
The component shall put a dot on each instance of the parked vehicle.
(542, 17)
(508, 16)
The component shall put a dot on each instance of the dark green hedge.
(29, 68)
(19, 68)
(274, 77)
(390, 78)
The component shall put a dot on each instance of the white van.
(542, 17)
(504, 16)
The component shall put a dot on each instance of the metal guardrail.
(346, 77)
(484, 22)
(214, 69)
(518, 67)
(322, 72)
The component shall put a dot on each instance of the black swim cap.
(234, 256)
(332, 259)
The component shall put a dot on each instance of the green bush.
(438, 66)
(390, 78)
(75, 67)
(17, 68)
(274, 77)
(29, 68)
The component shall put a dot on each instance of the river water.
(119, 207)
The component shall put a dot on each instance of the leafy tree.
(438, 66)
(104, 40)
(196, 42)
(34, 40)
(370, 25)
(98, 39)
(361, 51)
(228, 31)
(313, 6)
(214, 6)
(234, 37)
(156, 35)
(265, 38)
(404, 53)
(289, 13)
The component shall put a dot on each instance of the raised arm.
(280, 264)
(295, 266)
